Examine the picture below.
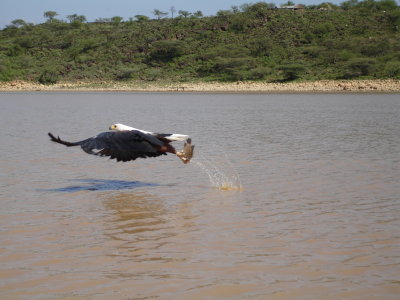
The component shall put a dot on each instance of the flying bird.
(125, 143)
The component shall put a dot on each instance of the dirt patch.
(389, 86)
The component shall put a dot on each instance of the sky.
(32, 10)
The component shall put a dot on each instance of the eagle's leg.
(185, 155)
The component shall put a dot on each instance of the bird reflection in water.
(102, 185)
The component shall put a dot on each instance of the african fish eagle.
(125, 143)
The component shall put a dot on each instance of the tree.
(172, 10)
(289, 3)
(141, 18)
(227, 62)
(116, 20)
(388, 5)
(76, 19)
(184, 13)
(349, 4)
(166, 50)
(224, 13)
(259, 8)
(392, 69)
(291, 71)
(18, 23)
(48, 76)
(235, 9)
(50, 15)
(159, 14)
(358, 67)
(198, 14)
(394, 19)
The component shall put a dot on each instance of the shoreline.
(321, 86)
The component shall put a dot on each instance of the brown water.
(288, 197)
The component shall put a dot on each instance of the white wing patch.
(173, 137)
(177, 137)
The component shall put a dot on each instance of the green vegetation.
(356, 40)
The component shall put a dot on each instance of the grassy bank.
(253, 42)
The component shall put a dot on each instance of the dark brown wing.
(119, 145)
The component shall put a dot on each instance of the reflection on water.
(101, 185)
(318, 217)
(134, 213)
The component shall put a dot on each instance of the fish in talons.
(187, 152)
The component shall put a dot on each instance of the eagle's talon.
(187, 152)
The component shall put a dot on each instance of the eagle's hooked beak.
(112, 127)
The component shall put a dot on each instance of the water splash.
(221, 173)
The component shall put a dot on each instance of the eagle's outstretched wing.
(121, 145)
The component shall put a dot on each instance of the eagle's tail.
(60, 141)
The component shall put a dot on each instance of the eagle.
(125, 143)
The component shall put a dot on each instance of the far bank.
(323, 86)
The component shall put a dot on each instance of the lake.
(287, 197)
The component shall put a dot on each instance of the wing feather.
(120, 145)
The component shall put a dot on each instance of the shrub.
(392, 69)
(259, 73)
(151, 74)
(130, 73)
(7, 73)
(166, 50)
(358, 67)
(322, 29)
(48, 76)
(291, 71)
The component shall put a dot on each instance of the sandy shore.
(383, 86)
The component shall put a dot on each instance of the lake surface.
(288, 197)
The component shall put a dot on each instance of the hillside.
(357, 40)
